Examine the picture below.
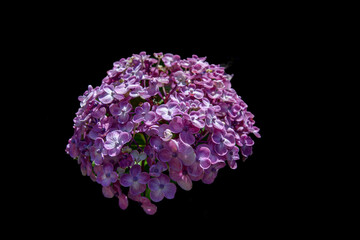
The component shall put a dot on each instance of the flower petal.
(216, 137)
(186, 154)
(157, 195)
(188, 138)
(220, 149)
(185, 183)
(124, 137)
(126, 180)
(137, 188)
(153, 184)
(135, 170)
(169, 190)
(165, 155)
(144, 177)
(205, 163)
(123, 201)
(176, 125)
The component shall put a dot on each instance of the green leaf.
(147, 193)
(140, 139)
(136, 102)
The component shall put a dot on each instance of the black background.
(264, 192)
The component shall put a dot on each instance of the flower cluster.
(158, 122)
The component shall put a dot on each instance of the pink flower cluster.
(158, 123)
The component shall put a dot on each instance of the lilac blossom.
(136, 180)
(157, 143)
(202, 162)
(138, 157)
(156, 118)
(165, 132)
(151, 154)
(156, 169)
(185, 128)
(161, 187)
(181, 177)
(106, 175)
(196, 117)
(222, 142)
(211, 120)
(231, 156)
(97, 151)
(192, 91)
(121, 110)
(167, 111)
(115, 140)
(246, 143)
(211, 173)
(143, 113)
(108, 95)
(180, 78)
(177, 150)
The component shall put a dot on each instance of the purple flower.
(136, 180)
(156, 169)
(196, 119)
(98, 112)
(144, 114)
(180, 78)
(127, 127)
(177, 150)
(214, 93)
(101, 128)
(97, 151)
(184, 116)
(108, 192)
(108, 95)
(181, 177)
(161, 187)
(168, 110)
(211, 120)
(245, 142)
(106, 175)
(123, 201)
(115, 140)
(157, 143)
(125, 87)
(231, 156)
(73, 147)
(138, 157)
(147, 206)
(185, 128)
(165, 133)
(222, 142)
(202, 162)
(203, 156)
(150, 152)
(193, 92)
(211, 173)
(121, 110)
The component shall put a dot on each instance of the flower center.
(174, 155)
(108, 175)
(135, 179)
(161, 186)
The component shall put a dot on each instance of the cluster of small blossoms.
(159, 122)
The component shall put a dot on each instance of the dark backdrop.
(258, 193)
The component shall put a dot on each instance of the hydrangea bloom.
(158, 123)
